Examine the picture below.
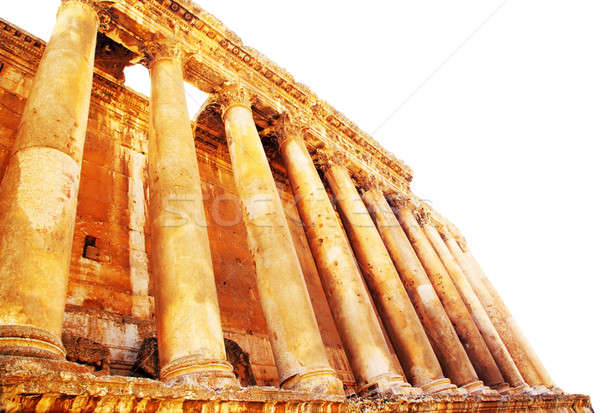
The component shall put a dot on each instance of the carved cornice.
(20, 43)
(28, 48)
(233, 94)
(106, 21)
(221, 56)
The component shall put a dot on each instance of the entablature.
(216, 55)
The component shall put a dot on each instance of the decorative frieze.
(106, 22)
(20, 43)
(223, 52)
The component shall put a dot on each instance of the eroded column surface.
(190, 340)
(494, 343)
(518, 346)
(463, 323)
(356, 321)
(299, 351)
(447, 345)
(380, 246)
(38, 194)
(398, 315)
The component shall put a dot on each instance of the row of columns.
(448, 326)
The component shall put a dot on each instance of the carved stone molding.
(290, 127)
(21, 43)
(222, 55)
(326, 158)
(233, 94)
(397, 200)
(422, 215)
(156, 50)
(105, 19)
(365, 181)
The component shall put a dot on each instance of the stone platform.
(33, 385)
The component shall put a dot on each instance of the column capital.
(232, 94)
(400, 200)
(290, 126)
(442, 230)
(366, 181)
(422, 215)
(453, 232)
(328, 157)
(156, 50)
(440, 224)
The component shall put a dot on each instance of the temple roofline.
(216, 54)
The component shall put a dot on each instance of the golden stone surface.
(122, 224)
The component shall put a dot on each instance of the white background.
(496, 108)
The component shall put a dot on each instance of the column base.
(477, 387)
(39, 366)
(193, 370)
(388, 385)
(522, 389)
(28, 341)
(442, 385)
(502, 388)
(322, 380)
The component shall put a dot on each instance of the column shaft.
(402, 322)
(516, 343)
(465, 327)
(299, 351)
(501, 355)
(449, 349)
(38, 194)
(356, 321)
(190, 339)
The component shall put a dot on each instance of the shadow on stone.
(146, 364)
(84, 351)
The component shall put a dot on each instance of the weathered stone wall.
(110, 299)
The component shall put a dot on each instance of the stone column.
(356, 320)
(444, 339)
(402, 323)
(190, 341)
(299, 351)
(465, 327)
(38, 194)
(506, 326)
(494, 343)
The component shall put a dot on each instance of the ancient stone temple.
(266, 256)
